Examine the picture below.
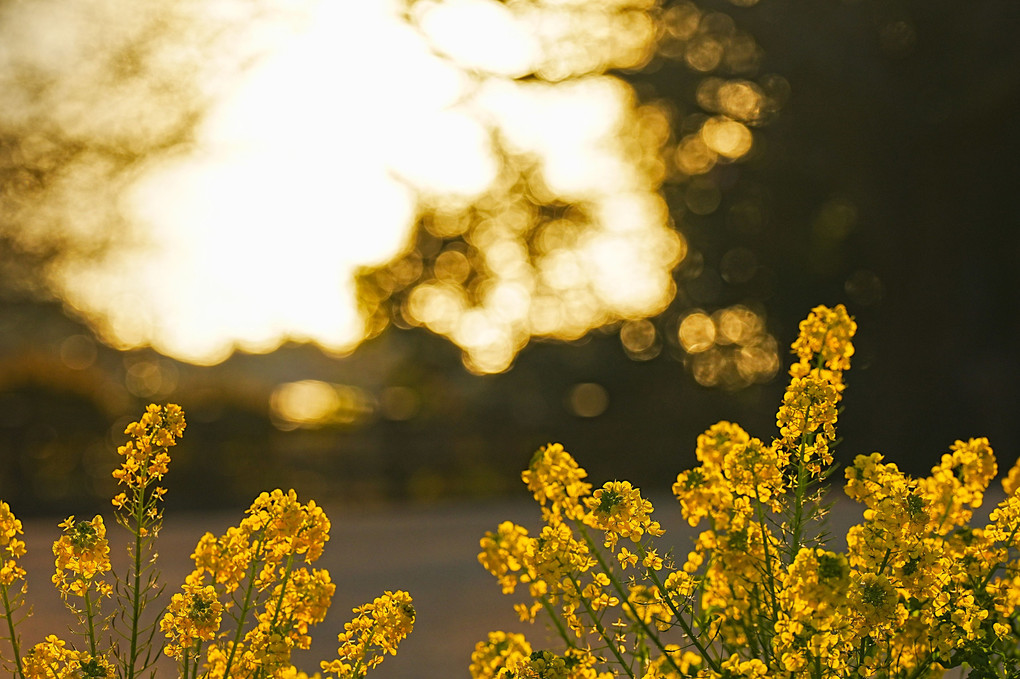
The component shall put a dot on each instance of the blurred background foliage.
(762, 158)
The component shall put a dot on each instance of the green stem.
(136, 584)
(245, 608)
(283, 590)
(601, 630)
(885, 561)
(688, 630)
(89, 616)
(557, 622)
(356, 672)
(806, 438)
(798, 503)
(624, 595)
(996, 567)
(194, 663)
(769, 576)
(15, 646)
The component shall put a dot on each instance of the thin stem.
(996, 567)
(356, 672)
(245, 607)
(624, 596)
(136, 584)
(194, 664)
(885, 561)
(798, 503)
(600, 629)
(556, 621)
(769, 576)
(89, 616)
(283, 590)
(683, 623)
(15, 646)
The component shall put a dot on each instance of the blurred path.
(430, 552)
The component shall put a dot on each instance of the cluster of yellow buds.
(377, 629)
(84, 552)
(257, 576)
(146, 455)
(10, 529)
(917, 590)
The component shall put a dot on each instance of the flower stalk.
(916, 592)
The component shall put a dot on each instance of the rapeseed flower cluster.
(762, 593)
(377, 629)
(146, 457)
(13, 547)
(249, 602)
(11, 573)
(260, 570)
(53, 659)
(82, 556)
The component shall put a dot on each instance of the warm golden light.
(478, 171)
(312, 403)
(730, 348)
(572, 233)
(297, 178)
(693, 156)
(697, 332)
(726, 137)
(302, 172)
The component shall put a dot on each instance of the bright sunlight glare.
(318, 160)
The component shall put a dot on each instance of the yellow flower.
(276, 527)
(647, 605)
(703, 492)
(84, 551)
(539, 665)
(556, 481)
(1005, 526)
(557, 557)
(192, 616)
(145, 456)
(756, 471)
(809, 409)
(286, 526)
(718, 441)
(51, 659)
(873, 601)
(825, 336)
(1012, 480)
(958, 483)
(10, 529)
(505, 552)
(377, 629)
(618, 509)
(734, 666)
(652, 560)
(680, 586)
(294, 673)
(498, 651)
